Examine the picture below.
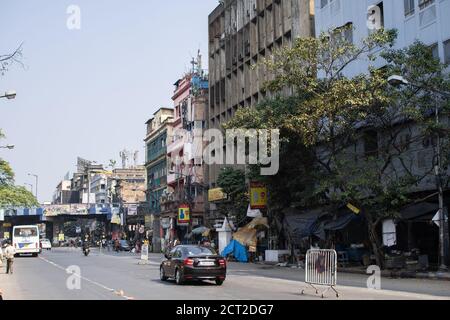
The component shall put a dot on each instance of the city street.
(112, 276)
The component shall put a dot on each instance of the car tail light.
(188, 262)
(222, 262)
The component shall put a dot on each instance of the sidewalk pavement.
(445, 276)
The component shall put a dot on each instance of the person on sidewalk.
(9, 255)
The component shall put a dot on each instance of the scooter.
(86, 250)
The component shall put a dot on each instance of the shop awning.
(419, 211)
(340, 223)
(300, 224)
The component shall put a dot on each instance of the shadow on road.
(186, 284)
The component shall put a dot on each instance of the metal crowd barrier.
(321, 269)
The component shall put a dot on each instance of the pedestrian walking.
(1, 255)
(9, 255)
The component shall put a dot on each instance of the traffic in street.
(108, 275)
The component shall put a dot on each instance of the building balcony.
(175, 146)
(173, 178)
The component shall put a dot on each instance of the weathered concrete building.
(242, 33)
(159, 129)
(186, 169)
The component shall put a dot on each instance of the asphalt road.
(110, 276)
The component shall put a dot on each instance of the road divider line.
(89, 280)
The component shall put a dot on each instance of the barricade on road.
(321, 269)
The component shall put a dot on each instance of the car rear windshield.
(198, 251)
(25, 232)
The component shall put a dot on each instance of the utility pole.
(437, 170)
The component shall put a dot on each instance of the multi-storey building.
(186, 175)
(99, 182)
(64, 194)
(424, 20)
(159, 130)
(241, 34)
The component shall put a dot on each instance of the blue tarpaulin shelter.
(238, 250)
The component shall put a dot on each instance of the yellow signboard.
(184, 214)
(353, 208)
(258, 195)
(61, 237)
(115, 219)
(6, 235)
(216, 195)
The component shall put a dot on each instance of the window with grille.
(409, 7)
(425, 3)
(447, 51)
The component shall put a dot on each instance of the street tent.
(339, 223)
(300, 224)
(419, 212)
(247, 235)
(238, 250)
(200, 230)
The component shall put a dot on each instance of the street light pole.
(37, 179)
(30, 185)
(9, 146)
(9, 95)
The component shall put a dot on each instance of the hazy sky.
(88, 92)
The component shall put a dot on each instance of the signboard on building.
(216, 195)
(61, 237)
(258, 195)
(116, 219)
(6, 235)
(65, 209)
(132, 210)
(184, 215)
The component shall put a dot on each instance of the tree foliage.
(343, 138)
(233, 183)
(11, 195)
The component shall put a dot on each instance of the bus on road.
(26, 240)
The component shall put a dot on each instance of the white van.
(26, 240)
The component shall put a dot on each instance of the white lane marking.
(117, 292)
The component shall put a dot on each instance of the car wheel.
(178, 277)
(162, 274)
(219, 282)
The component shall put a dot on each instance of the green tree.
(233, 183)
(11, 195)
(332, 118)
